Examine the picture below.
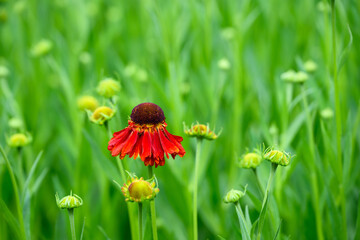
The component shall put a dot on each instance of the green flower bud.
(224, 64)
(327, 113)
(19, 140)
(250, 160)
(200, 131)
(69, 202)
(139, 190)
(42, 48)
(101, 115)
(87, 103)
(310, 66)
(108, 87)
(278, 157)
(233, 196)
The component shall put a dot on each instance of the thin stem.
(265, 200)
(152, 209)
(242, 221)
(338, 123)
(131, 208)
(314, 182)
(16, 191)
(140, 221)
(72, 223)
(197, 160)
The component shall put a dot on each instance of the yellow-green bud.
(224, 64)
(310, 66)
(87, 103)
(250, 160)
(15, 123)
(233, 196)
(278, 157)
(200, 131)
(101, 115)
(69, 202)
(108, 87)
(327, 113)
(42, 48)
(139, 190)
(4, 72)
(19, 140)
(301, 77)
(288, 76)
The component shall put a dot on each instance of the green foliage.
(168, 52)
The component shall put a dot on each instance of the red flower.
(147, 137)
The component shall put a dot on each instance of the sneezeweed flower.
(19, 140)
(224, 64)
(250, 160)
(108, 87)
(310, 66)
(87, 103)
(139, 190)
(200, 131)
(4, 72)
(277, 157)
(146, 136)
(42, 48)
(69, 202)
(327, 113)
(101, 115)
(233, 196)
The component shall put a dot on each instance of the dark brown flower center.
(147, 113)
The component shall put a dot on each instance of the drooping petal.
(173, 139)
(137, 148)
(157, 150)
(118, 146)
(130, 144)
(167, 145)
(146, 145)
(118, 136)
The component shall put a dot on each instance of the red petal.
(146, 145)
(173, 139)
(118, 136)
(168, 146)
(157, 150)
(130, 143)
(117, 147)
(137, 148)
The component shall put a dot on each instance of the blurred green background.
(216, 62)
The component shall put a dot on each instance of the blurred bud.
(4, 72)
(42, 48)
(69, 202)
(224, 64)
(101, 115)
(130, 70)
(87, 103)
(200, 131)
(301, 77)
(323, 7)
(3, 15)
(233, 196)
(19, 140)
(108, 87)
(184, 88)
(228, 33)
(310, 66)
(327, 113)
(288, 76)
(15, 123)
(141, 75)
(85, 58)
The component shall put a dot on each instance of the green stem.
(338, 124)
(72, 223)
(265, 200)
(16, 191)
(140, 221)
(197, 160)
(131, 208)
(243, 224)
(152, 209)
(311, 161)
